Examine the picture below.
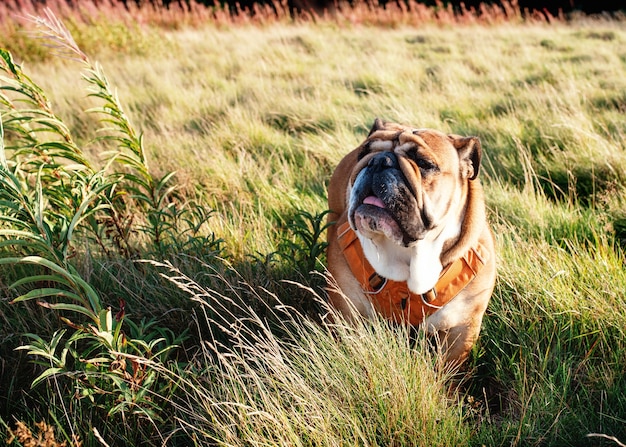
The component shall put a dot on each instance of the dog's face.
(410, 183)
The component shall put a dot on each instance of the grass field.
(185, 310)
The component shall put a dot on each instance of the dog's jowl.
(411, 239)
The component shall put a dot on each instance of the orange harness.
(393, 299)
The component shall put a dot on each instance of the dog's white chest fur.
(419, 265)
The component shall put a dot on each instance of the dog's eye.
(426, 165)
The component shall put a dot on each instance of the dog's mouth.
(373, 216)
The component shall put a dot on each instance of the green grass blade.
(79, 285)
(44, 292)
(3, 156)
(48, 373)
(72, 307)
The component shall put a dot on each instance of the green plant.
(52, 200)
(304, 245)
(112, 370)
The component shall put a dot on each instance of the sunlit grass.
(312, 384)
(245, 113)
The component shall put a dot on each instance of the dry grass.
(364, 12)
(42, 437)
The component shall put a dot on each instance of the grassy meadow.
(163, 200)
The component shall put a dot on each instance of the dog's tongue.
(373, 217)
(373, 200)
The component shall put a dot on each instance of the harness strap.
(393, 299)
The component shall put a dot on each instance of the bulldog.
(410, 239)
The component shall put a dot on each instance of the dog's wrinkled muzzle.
(384, 200)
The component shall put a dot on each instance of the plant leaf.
(50, 372)
(42, 293)
(70, 307)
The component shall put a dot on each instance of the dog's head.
(408, 184)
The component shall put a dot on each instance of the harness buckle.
(429, 296)
(376, 282)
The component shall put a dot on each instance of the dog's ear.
(378, 125)
(470, 153)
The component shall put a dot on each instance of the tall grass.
(252, 119)
(287, 380)
(558, 335)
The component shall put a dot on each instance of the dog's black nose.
(384, 160)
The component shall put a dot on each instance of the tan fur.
(458, 323)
